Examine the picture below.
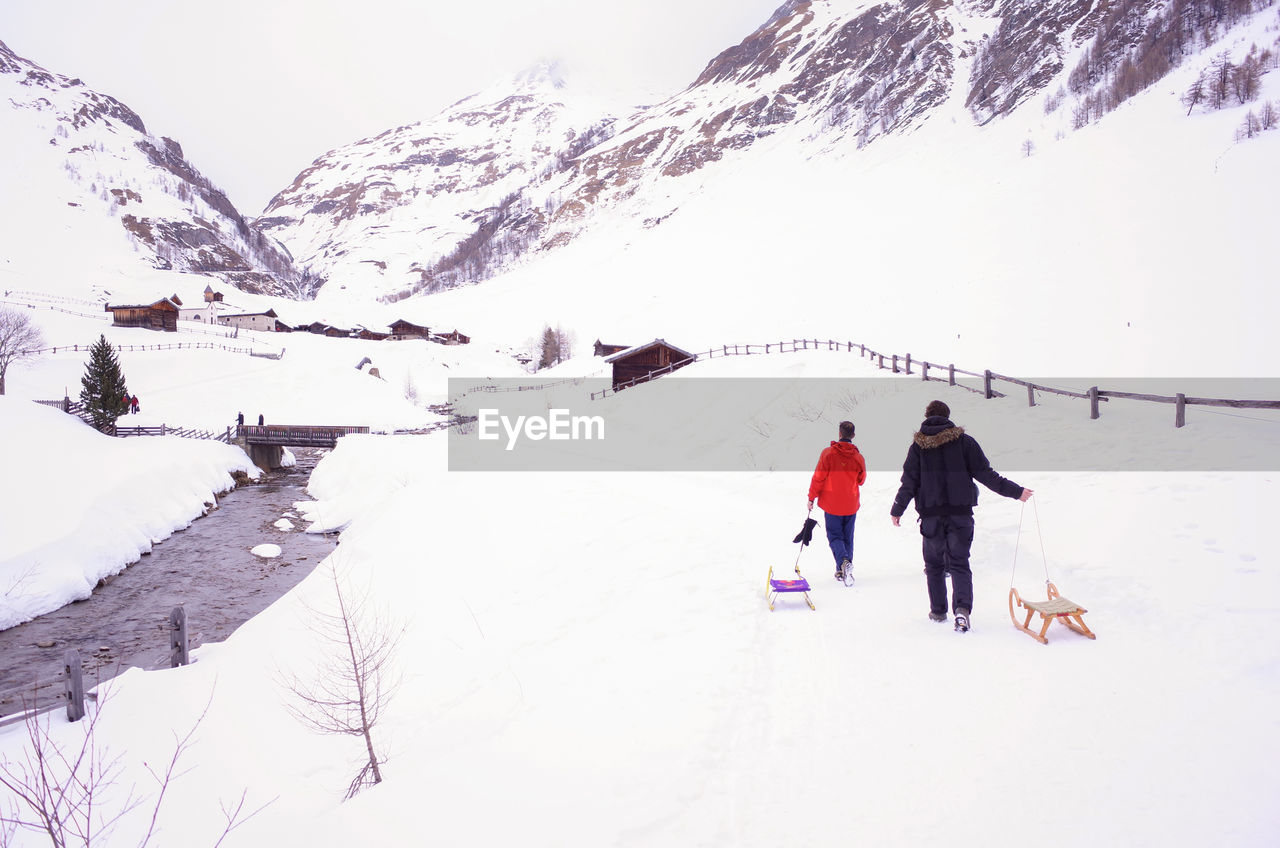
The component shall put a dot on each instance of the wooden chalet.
(402, 330)
(602, 349)
(453, 337)
(635, 364)
(371, 335)
(161, 315)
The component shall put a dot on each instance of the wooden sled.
(1056, 608)
(773, 588)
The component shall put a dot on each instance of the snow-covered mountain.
(84, 175)
(505, 175)
(845, 148)
(406, 211)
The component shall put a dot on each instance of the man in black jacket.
(942, 463)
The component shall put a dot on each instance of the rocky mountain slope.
(167, 212)
(429, 207)
(398, 212)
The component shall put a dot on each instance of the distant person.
(260, 421)
(240, 419)
(834, 485)
(941, 465)
(134, 404)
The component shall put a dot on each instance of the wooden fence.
(84, 348)
(166, 430)
(903, 364)
(66, 687)
(76, 408)
(491, 387)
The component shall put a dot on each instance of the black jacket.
(942, 463)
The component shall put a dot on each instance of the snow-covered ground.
(591, 654)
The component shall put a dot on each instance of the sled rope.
(1018, 543)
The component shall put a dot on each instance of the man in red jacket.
(841, 470)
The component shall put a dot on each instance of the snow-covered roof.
(622, 354)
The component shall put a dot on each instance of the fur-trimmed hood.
(937, 431)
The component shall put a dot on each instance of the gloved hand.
(805, 536)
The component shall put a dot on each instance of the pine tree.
(102, 388)
(550, 349)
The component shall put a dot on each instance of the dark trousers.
(947, 539)
(840, 535)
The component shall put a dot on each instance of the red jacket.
(841, 470)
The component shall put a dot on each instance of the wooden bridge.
(294, 435)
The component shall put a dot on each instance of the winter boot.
(962, 621)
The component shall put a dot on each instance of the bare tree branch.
(56, 790)
(353, 683)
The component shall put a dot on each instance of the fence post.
(895, 363)
(951, 374)
(1031, 395)
(181, 654)
(1180, 410)
(880, 363)
(908, 363)
(986, 384)
(1093, 403)
(924, 372)
(74, 685)
(862, 352)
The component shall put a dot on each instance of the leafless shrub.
(65, 792)
(410, 388)
(806, 410)
(353, 683)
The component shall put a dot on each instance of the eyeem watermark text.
(557, 424)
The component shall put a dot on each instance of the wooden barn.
(602, 349)
(371, 335)
(161, 315)
(635, 364)
(453, 337)
(402, 330)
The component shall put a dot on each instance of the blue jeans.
(840, 536)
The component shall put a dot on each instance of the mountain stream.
(208, 568)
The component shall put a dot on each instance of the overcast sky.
(254, 90)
